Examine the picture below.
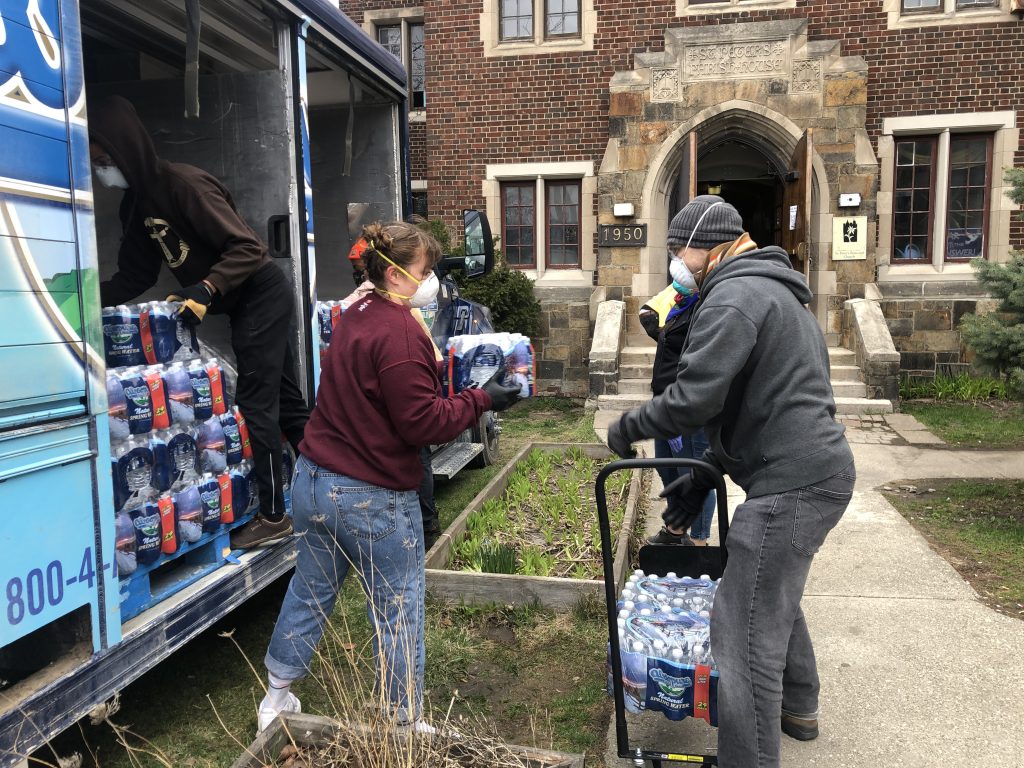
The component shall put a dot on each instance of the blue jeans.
(343, 522)
(693, 448)
(759, 637)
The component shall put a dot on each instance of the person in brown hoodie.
(181, 216)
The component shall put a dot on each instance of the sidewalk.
(915, 670)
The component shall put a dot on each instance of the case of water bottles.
(473, 359)
(665, 646)
(327, 313)
(180, 455)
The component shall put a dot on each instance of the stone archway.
(770, 84)
(773, 134)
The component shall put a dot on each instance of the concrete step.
(640, 339)
(841, 356)
(635, 386)
(847, 389)
(635, 372)
(637, 356)
(621, 402)
(860, 406)
(846, 373)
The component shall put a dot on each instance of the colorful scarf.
(720, 253)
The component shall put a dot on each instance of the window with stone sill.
(944, 6)
(963, 209)
(516, 20)
(404, 39)
(561, 222)
(702, 6)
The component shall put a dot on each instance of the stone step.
(846, 373)
(841, 356)
(640, 339)
(846, 389)
(621, 402)
(637, 356)
(635, 386)
(860, 406)
(635, 372)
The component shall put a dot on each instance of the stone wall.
(923, 318)
(564, 341)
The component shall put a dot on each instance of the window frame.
(519, 39)
(933, 139)
(989, 138)
(578, 185)
(406, 18)
(578, 34)
(519, 184)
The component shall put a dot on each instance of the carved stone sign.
(727, 61)
(664, 84)
(807, 76)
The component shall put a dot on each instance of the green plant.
(960, 387)
(508, 293)
(998, 338)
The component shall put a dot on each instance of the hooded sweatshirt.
(171, 213)
(754, 373)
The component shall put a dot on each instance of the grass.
(496, 661)
(983, 424)
(978, 526)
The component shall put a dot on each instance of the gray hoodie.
(754, 373)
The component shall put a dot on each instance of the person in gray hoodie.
(754, 373)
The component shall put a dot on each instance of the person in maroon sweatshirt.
(181, 216)
(354, 496)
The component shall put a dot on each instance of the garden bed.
(304, 741)
(536, 517)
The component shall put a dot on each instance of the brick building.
(885, 123)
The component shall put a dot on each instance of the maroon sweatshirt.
(380, 399)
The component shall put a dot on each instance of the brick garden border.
(551, 591)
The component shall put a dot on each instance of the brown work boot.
(261, 531)
(799, 728)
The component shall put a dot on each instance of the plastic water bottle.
(163, 330)
(137, 399)
(163, 468)
(634, 676)
(178, 389)
(227, 508)
(243, 430)
(124, 544)
(202, 394)
(153, 377)
(184, 456)
(211, 446)
(133, 471)
(209, 496)
(168, 526)
(122, 340)
(117, 409)
(232, 439)
(216, 376)
(188, 513)
(146, 521)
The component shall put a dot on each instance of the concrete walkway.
(915, 670)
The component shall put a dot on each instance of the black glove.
(194, 301)
(502, 396)
(686, 497)
(649, 320)
(617, 441)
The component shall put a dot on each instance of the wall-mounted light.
(715, 188)
(1017, 8)
(622, 209)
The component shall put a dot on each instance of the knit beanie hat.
(722, 224)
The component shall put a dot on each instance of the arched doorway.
(740, 172)
(757, 151)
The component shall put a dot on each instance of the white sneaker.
(422, 728)
(268, 712)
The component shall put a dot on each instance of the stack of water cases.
(664, 627)
(180, 456)
(473, 359)
(327, 313)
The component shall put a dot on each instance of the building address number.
(622, 235)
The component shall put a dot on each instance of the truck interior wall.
(343, 204)
(241, 137)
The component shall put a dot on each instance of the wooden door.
(796, 208)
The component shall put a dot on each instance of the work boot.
(799, 728)
(665, 536)
(260, 531)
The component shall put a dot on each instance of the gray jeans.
(758, 634)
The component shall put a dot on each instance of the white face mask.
(110, 176)
(426, 292)
(682, 277)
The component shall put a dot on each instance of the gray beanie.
(722, 224)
